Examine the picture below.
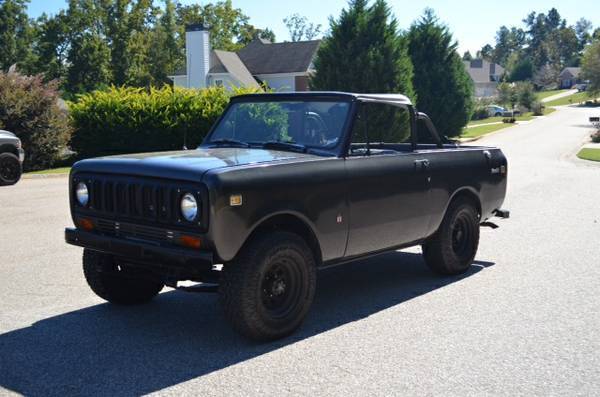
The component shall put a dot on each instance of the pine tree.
(444, 89)
(364, 53)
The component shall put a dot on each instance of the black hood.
(188, 165)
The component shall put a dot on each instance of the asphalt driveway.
(524, 320)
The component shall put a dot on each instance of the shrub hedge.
(132, 120)
(29, 108)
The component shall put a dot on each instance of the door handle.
(421, 165)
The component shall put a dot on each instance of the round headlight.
(82, 194)
(189, 207)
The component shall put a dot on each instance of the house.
(569, 77)
(485, 75)
(280, 66)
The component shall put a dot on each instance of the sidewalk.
(558, 96)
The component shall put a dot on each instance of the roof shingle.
(290, 57)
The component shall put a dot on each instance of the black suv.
(283, 185)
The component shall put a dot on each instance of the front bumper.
(21, 155)
(138, 251)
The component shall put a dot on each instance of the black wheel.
(267, 290)
(498, 114)
(10, 169)
(116, 284)
(452, 248)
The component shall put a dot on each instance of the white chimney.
(197, 49)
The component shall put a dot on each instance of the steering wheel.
(316, 129)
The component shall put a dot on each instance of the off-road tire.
(117, 285)
(444, 252)
(10, 169)
(248, 288)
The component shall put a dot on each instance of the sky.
(473, 23)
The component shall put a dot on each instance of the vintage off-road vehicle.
(11, 158)
(283, 185)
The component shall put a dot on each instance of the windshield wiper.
(295, 147)
(228, 141)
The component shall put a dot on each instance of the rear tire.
(452, 249)
(10, 169)
(268, 289)
(115, 284)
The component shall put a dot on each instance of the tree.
(525, 94)
(519, 67)
(467, 56)
(537, 32)
(485, 52)
(165, 52)
(590, 67)
(16, 34)
(52, 47)
(126, 30)
(90, 64)
(226, 23)
(444, 89)
(508, 41)
(29, 108)
(507, 95)
(250, 32)
(562, 48)
(300, 28)
(583, 27)
(364, 53)
(503, 46)
(546, 77)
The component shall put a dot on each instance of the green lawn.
(63, 170)
(589, 154)
(545, 94)
(484, 129)
(575, 98)
(525, 117)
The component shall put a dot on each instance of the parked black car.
(283, 185)
(11, 158)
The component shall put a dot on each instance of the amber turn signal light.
(85, 224)
(190, 242)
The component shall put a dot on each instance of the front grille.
(133, 231)
(138, 199)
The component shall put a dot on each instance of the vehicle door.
(388, 184)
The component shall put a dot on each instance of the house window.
(219, 83)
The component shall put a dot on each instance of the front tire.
(268, 289)
(452, 249)
(115, 284)
(10, 169)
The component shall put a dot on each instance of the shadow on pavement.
(109, 350)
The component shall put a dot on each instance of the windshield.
(314, 124)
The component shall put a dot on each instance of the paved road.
(524, 320)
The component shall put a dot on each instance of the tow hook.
(500, 213)
(505, 214)
(489, 224)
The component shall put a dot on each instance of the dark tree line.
(366, 51)
(540, 49)
(94, 43)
